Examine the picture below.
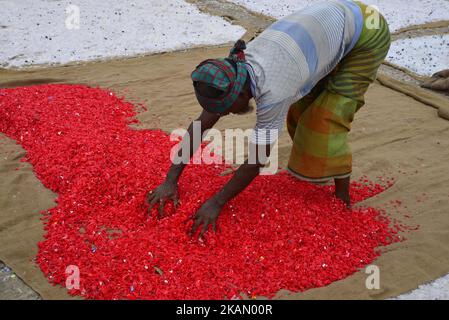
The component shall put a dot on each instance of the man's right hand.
(165, 191)
(168, 190)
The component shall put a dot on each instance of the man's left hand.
(206, 215)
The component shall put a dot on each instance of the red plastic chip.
(280, 233)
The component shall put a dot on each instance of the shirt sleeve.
(270, 122)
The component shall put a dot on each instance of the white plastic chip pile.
(47, 32)
(422, 55)
(399, 13)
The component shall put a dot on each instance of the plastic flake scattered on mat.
(280, 233)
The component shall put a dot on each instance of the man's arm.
(245, 174)
(207, 121)
(169, 188)
(209, 211)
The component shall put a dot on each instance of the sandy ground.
(402, 138)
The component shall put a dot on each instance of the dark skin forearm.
(207, 120)
(244, 175)
(210, 210)
(175, 170)
(168, 190)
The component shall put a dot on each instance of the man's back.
(294, 53)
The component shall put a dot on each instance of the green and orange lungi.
(320, 122)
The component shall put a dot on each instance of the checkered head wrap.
(227, 75)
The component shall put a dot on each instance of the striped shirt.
(288, 59)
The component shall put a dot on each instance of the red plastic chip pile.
(280, 233)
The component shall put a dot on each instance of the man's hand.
(206, 215)
(246, 173)
(165, 191)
